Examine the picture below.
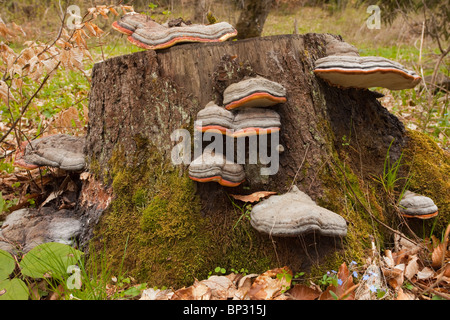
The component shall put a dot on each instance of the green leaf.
(334, 295)
(50, 258)
(14, 289)
(2, 203)
(7, 264)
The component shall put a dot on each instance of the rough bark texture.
(138, 100)
(153, 94)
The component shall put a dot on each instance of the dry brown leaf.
(401, 295)
(114, 11)
(222, 288)
(412, 267)
(345, 289)
(388, 259)
(156, 294)
(5, 93)
(447, 270)
(265, 287)
(302, 292)
(243, 286)
(440, 251)
(197, 291)
(425, 273)
(394, 276)
(68, 121)
(254, 197)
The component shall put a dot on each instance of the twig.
(24, 109)
(301, 165)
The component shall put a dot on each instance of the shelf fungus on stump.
(365, 72)
(414, 205)
(293, 214)
(215, 167)
(253, 92)
(129, 22)
(339, 48)
(246, 122)
(148, 34)
(59, 150)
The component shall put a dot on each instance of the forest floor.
(62, 104)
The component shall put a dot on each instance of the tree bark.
(148, 95)
(252, 18)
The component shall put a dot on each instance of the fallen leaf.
(265, 287)
(395, 276)
(388, 260)
(243, 286)
(425, 273)
(440, 251)
(254, 197)
(156, 294)
(302, 292)
(197, 291)
(447, 270)
(412, 267)
(221, 287)
(401, 295)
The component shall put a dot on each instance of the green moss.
(429, 169)
(350, 197)
(156, 216)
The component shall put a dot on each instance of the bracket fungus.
(365, 72)
(160, 37)
(340, 48)
(414, 205)
(59, 150)
(131, 21)
(215, 167)
(253, 92)
(295, 213)
(242, 123)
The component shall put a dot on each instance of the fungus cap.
(414, 205)
(131, 21)
(253, 92)
(215, 167)
(59, 150)
(161, 37)
(244, 122)
(293, 214)
(365, 72)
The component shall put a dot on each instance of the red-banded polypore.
(160, 37)
(293, 214)
(211, 166)
(365, 72)
(242, 123)
(414, 205)
(59, 150)
(129, 22)
(253, 92)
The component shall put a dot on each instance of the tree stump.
(175, 229)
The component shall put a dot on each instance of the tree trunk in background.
(200, 11)
(252, 18)
(138, 100)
